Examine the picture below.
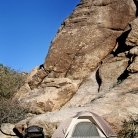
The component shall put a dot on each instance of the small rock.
(7, 128)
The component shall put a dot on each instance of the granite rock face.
(87, 92)
(87, 36)
(51, 95)
(115, 106)
(132, 39)
(92, 65)
(110, 71)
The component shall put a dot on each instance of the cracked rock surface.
(92, 65)
(87, 36)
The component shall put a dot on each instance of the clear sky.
(27, 28)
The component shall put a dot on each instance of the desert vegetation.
(10, 82)
(129, 129)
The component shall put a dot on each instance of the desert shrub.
(10, 81)
(129, 129)
(11, 111)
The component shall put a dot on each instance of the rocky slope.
(92, 65)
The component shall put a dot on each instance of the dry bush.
(129, 129)
(11, 112)
(10, 81)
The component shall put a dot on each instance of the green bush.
(129, 129)
(10, 81)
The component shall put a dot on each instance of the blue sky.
(27, 28)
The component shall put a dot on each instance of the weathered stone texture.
(87, 92)
(87, 36)
(36, 76)
(134, 51)
(91, 65)
(132, 39)
(111, 70)
(115, 106)
(52, 94)
(6, 131)
(133, 68)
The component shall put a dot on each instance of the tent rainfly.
(82, 125)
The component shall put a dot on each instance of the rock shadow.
(136, 3)
(98, 79)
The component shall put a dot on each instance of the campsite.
(84, 125)
(87, 84)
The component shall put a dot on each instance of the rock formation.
(6, 131)
(92, 65)
(86, 37)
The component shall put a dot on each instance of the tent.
(84, 124)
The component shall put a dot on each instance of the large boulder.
(115, 106)
(52, 94)
(84, 39)
(91, 66)
(87, 36)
